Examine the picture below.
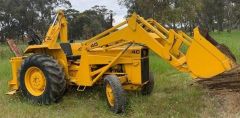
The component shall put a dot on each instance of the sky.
(120, 11)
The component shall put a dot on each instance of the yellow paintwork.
(57, 29)
(16, 64)
(35, 81)
(118, 51)
(214, 61)
(110, 95)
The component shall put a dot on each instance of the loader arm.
(202, 59)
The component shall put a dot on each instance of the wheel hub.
(35, 81)
(110, 96)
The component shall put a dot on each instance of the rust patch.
(12, 45)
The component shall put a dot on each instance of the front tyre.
(148, 87)
(115, 94)
(42, 80)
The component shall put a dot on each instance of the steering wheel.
(33, 38)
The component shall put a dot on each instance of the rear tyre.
(42, 80)
(148, 87)
(114, 94)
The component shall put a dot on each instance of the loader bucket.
(205, 60)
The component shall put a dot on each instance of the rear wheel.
(115, 94)
(148, 87)
(42, 80)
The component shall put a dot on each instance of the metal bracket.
(81, 90)
(11, 92)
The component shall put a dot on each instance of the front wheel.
(115, 94)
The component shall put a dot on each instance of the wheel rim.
(35, 81)
(110, 96)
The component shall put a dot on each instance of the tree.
(232, 14)
(171, 13)
(186, 14)
(16, 16)
(88, 23)
(74, 25)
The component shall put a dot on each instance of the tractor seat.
(67, 49)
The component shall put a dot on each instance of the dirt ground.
(224, 90)
(228, 103)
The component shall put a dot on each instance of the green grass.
(232, 40)
(173, 95)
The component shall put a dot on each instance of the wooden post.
(12, 45)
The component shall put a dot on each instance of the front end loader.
(118, 59)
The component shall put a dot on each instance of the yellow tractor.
(117, 58)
